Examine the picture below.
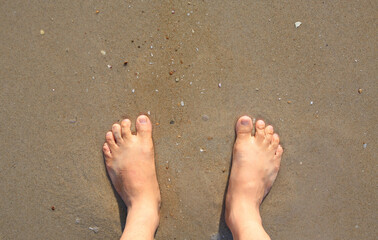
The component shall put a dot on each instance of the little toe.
(116, 129)
(279, 152)
(110, 140)
(260, 132)
(275, 141)
(143, 126)
(125, 128)
(244, 127)
(269, 134)
(107, 152)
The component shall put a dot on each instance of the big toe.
(244, 127)
(143, 126)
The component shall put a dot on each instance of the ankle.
(141, 222)
(242, 217)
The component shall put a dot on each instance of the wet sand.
(59, 96)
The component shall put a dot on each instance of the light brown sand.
(58, 98)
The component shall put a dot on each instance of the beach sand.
(195, 67)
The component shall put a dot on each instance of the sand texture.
(194, 67)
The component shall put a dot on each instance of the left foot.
(130, 162)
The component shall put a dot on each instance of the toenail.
(245, 122)
(142, 119)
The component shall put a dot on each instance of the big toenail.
(142, 119)
(245, 122)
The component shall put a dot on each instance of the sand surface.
(58, 97)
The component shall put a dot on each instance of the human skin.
(130, 162)
(255, 164)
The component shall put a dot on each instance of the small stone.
(224, 169)
(149, 113)
(177, 79)
(360, 90)
(356, 226)
(171, 72)
(125, 63)
(202, 150)
(109, 66)
(289, 102)
(42, 32)
(311, 102)
(297, 24)
(182, 103)
(364, 145)
(300, 163)
(97, 11)
(219, 85)
(103, 52)
(205, 117)
(94, 229)
(77, 221)
(52, 208)
(257, 89)
(173, 12)
(73, 120)
(133, 90)
(172, 122)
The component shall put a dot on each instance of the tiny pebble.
(360, 90)
(149, 113)
(205, 117)
(356, 226)
(311, 102)
(300, 163)
(177, 79)
(182, 103)
(109, 66)
(133, 90)
(73, 120)
(103, 52)
(42, 32)
(364, 145)
(257, 89)
(172, 122)
(77, 221)
(297, 24)
(289, 102)
(219, 85)
(173, 11)
(202, 150)
(94, 229)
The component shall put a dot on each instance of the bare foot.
(130, 163)
(255, 164)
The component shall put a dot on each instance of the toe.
(269, 134)
(279, 152)
(125, 128)
(260, 132)
(275, 141)
(244, 127)
(116, 129)
(107, 153)
(143, 126)
(110, 140)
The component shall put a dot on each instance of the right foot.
(255, 164)
(129, 160)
